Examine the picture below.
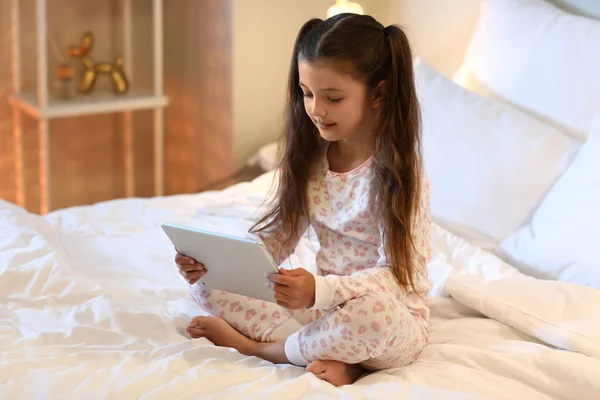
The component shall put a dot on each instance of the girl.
(351, 168)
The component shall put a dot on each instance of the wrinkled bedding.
(92, 307)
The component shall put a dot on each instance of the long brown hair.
(378, 55)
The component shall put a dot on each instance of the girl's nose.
(318, 111)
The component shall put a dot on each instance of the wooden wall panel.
(198, 75)
(87, 152)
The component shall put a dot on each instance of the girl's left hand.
(294, 289)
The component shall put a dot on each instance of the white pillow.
(563, 240)
(265, 158)
(489, 164)
(538, 57)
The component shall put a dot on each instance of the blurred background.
(223, 67)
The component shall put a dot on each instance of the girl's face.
(338, 104)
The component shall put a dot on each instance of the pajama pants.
(374, 329)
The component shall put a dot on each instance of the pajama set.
(360, 315)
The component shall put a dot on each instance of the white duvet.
(92, 307)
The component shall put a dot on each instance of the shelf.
(94, 103)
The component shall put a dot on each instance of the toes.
(335, 372)
(195, 332)
(317, 368)
(197, 321)
(196, 327)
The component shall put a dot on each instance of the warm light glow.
(344, 6)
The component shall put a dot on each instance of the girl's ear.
(379, 94)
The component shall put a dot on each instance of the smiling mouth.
(324, 126)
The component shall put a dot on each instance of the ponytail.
(402, 87)
(398, 156)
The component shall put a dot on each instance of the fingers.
(181, 259)
(286, 297)
(187, 264)
(192, 276)
(191, 267)
(279, 288)
(294, 272)
(290, 288)
(291, 291)
(281, 296)
(286, 277)
(280, 279)
(285, 293)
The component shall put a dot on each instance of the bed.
(92, 306)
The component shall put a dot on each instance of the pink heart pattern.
(368, 317)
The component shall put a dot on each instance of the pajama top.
(351, 260)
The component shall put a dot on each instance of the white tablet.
(233, 264)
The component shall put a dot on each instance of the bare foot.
(218, 331)
(335, 372)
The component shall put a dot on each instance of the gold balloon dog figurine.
(87, 80)
(116, 74)
(88, 77)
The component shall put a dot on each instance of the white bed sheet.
(92, 307)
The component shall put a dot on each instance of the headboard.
(440, 30)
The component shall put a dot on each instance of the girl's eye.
(307, 95)
(335, 100)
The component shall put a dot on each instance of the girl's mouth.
(324, 126)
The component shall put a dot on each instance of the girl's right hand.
(190, 269)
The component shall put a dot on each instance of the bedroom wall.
(439, 30)
(198, 121)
